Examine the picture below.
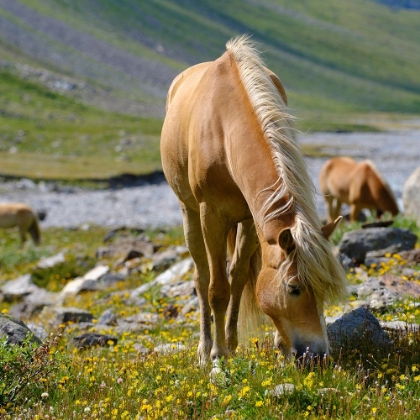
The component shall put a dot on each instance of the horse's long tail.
(251, 318)
(35, 230)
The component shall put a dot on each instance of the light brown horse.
(229, 153)
(22, 216)
(360, 185)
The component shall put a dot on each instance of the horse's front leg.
(246, 243)
(215, 237)
(195, 243)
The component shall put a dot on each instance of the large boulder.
(15, 330)
(358, 328)
(411, 195)
(357, 243)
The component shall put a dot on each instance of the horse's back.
(335, 175)
(12, 214)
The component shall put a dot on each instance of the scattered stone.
(107, 318)
(96, 273)
(383, 291)
(326, 391)
(399, 326)
(184, 289)
(110, 279)
(411, 195)
(163, 260)
(143, 318)
(61, 315)
(79, 284)
(379, 223)
(357, 328)
(170, 348)
(355, 244)
(172, 275)
(38, 331)
(18, 288)
(281, 389)
(94, 339)
(128, 248)
(141, 349)
(48, 262)
(412, 256)
(15, 330)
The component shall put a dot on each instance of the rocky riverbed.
(396, 154)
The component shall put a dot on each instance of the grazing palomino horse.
(360, 185)
(22, 216)
(229, 153)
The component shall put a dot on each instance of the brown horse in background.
(360, 185)
(229, 153)
(22, 216)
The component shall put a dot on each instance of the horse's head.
(290, 300)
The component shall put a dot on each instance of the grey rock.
(141, 349)
(15, 330)
(376, 293)
(282, 389)
(78, 285)
(357, 328)
(62, 315)
(355, 244)
(94, 339)
(170, 348)
(184, 289)
(38, 330)
(346, 261)
(369, 261)
(163, 260)
(399, 326)
(96, 273)
(18, 288)
(412, 256)
(170, 276)
(142, 318)
(107, 318)
(411, 195)
(110, 279)
(48, 262)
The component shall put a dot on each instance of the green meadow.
(61, 381)
(349, 66)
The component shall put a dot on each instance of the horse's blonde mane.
(315, 260)
(383, 180)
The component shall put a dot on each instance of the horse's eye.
(294, 290)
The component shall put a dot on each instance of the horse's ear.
(286, 241)
(329, 228)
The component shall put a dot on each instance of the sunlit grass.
(119, 382)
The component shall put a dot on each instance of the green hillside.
(109, 64)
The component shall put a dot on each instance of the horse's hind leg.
(195, 243)
(245, 246)
(215, 233)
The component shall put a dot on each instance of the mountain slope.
(83, 82)
(331, 54)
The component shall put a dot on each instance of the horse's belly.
(7, 220)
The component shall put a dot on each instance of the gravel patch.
(396, 154)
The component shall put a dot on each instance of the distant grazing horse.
(360, 185)
(22, 216)
(229, 153)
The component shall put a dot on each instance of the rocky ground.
(396, 154)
